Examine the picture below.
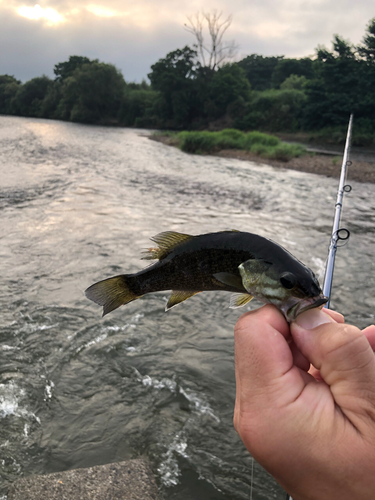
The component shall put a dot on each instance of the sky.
(134, 34)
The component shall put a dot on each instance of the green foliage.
(51, 101)
(367, 49)
(29, 96)
(276, 110)
(342, 84)
(174, 77)
(259, 70)
(138, 108)
(257, 93)
(287, 67)
(256, 137)
(294, 82)
(92, 94)
(198, 142)
(139, 86)
(227, 85)
(233, 133)
(65, 69)
(8, 89)
(285, 152)
(265, 145)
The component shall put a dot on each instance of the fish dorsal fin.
(251, 271)
(166, 242)
(178, 296)
(229, 279)
(239, 300)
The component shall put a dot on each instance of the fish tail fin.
(111, 293)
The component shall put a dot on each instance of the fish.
(246, 264)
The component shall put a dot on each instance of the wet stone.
(130, 480)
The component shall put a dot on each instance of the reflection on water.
(79, 204)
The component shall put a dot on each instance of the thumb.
(345, 359)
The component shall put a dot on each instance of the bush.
(233, 133)
(265, 145)
(260, 138)
(29, 97)
(136, 107)
(198, 142)
(285, 152)
(277, 110)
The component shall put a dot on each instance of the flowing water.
(78, 204)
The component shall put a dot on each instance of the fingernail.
(312, 318)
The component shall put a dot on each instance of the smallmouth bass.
(246, 264)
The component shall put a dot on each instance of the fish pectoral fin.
(229, 279)
(251, 271)
(239, 300)
(178, 296)
(166, 242)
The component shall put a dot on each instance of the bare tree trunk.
(218, 52)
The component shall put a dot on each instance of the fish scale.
(246, 264)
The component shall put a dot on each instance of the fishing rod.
(342, 233)
(338, 234)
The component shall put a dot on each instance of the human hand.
(311, 427)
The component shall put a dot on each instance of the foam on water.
(11, 397)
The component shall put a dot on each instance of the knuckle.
(346, 338)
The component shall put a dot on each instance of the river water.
(79, 204)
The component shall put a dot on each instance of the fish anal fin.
(178, 296)
(166, 242)
(229, 279)
(239, 300)
(251, 271)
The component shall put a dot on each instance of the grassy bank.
(258, 143)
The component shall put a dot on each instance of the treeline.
(257, 93)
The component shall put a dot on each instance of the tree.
(287, 67)
(137, 108)
(65, 69)
(342, 85)
(228, 85)
(294, 82)
(274, 110)
(367, 49)
(259, 70)
(217, 52)
(27, 101)
(92, 94)
(174, 77)
(52, 98)
(8, 89)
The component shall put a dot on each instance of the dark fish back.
(192, 265)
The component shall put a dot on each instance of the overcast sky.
(134, 34)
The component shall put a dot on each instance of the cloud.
(135, 34)
(31, 49)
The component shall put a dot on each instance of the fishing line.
(252, 478)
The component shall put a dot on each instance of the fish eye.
(288, 280)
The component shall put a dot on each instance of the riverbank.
(316, 164)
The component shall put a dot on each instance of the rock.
(130, 480)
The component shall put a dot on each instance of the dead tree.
(218, 52)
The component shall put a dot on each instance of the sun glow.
(37, 12)
(99, 11)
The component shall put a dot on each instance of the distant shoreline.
(317, 164)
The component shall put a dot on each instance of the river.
(78, 204)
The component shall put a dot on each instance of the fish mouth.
(305, 305)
